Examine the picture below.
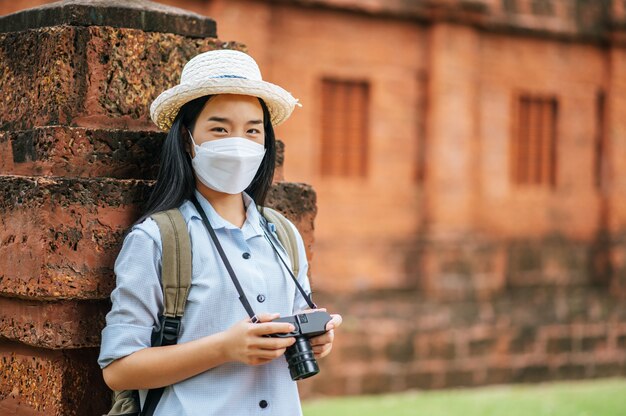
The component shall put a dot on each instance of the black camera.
(300, 357)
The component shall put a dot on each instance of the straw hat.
(221, 72)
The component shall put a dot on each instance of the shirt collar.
(252, 226)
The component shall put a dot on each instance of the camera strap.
(306, 297)
(242, 296)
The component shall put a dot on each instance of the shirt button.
(261, 298)
(246, 255)
(263, 404)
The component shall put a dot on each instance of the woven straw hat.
(221, 72)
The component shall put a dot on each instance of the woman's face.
(230, 115)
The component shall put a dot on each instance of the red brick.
(298, 202)
(456, 378)
(376, 382)
(56, 383)
(80, 152)
(90, 76)
(524, 340)
(498, 375)
(52, 325)
(605, 370)
(60, 236)
(532, 373)
(435, 345)
(560, 345)
(420, 380)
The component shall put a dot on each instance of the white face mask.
(227, 165)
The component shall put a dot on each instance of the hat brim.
(165, 107)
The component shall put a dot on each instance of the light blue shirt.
(213, 306)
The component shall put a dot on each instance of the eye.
(254, 131)
(219, 130)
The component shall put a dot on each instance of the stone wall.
(398, 340)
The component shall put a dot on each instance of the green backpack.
(176, 281)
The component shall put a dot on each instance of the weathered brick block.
(435, 345)
(593, 342)
(357, 351)
(604, 370)
(498, 375)
(401, 348)
(59, 237)
(461, 268)
(554, 260)
(90, 76)
(559, 345)
(457, 378)
(53, 383)
(420, 380)
(570, 371)
(325, 384)
(376, 382)
(524, 340)
(298, 202)
(80, 152)
(532, 373)
(618, 260)
(53, 325)
(484, 346)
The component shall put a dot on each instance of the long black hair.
(176, 182)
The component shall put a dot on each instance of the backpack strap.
(176, 281)
(176, 261)
(286, 236)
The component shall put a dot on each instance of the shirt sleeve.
(299, 303)
(137, 298)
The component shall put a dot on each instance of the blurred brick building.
(446, 121)
(468, 157)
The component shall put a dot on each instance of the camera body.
(299, 356)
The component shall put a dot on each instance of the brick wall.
(393, 341)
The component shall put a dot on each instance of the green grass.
(584, 398)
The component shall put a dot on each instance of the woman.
(220, 152)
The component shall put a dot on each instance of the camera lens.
(301, 359)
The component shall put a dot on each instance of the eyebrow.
(225, 120)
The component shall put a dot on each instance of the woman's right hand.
(246, 342)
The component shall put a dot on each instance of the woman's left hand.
(322, 344)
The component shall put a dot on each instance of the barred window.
(344, 139)
(534, 148)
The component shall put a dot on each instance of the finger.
(274, 343)
(321, 352)
(260, 361)
(268, 328)
(324, 338)
(336, 321)
(266, 317)
(313, 310)
(321, 340)
(318, 349)
(269, 354)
